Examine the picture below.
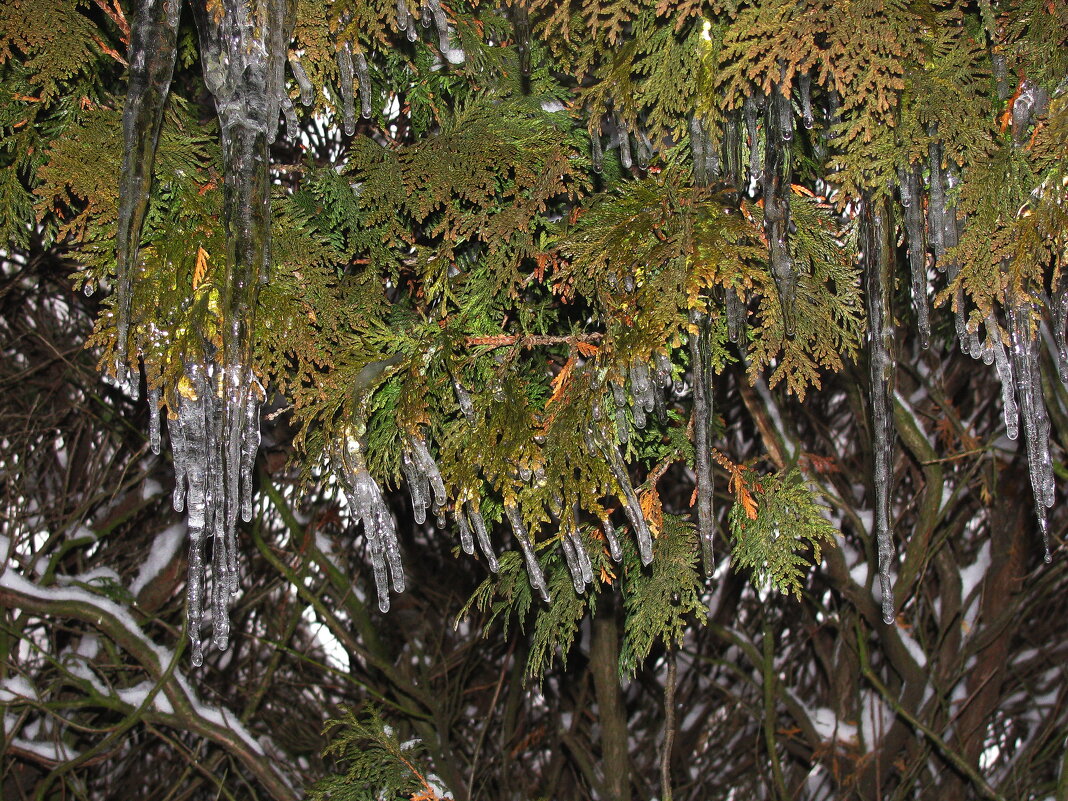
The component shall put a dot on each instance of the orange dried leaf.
(587, 349)
(201, 268)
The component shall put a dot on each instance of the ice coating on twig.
(701, 367)
(1023, 331)
(1008, 386)
(290, 114)
(912, 201)
(878, 265)
(153, 47)
(598, 443)
(537, 578)
(368, 506)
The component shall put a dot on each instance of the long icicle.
(153, 47)
(778, 171)
(912, 200)
(878, 275)
(1023, 330)
(701, 365)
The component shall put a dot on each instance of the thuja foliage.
(549, 214)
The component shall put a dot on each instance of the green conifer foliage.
(502, 262)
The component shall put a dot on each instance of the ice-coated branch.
(153, 47)
(877, 252)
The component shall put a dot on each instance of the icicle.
(735, 316)
(367, 505)
(537, 578)
(936, 202)
(805, 84)
(912, 201)
(614, 549)
(1008, 386)
(418, 487)
(644, 150)
(466, 540)
(571, 558)
(624, 143)
(484, 543)
(346, 79)
(290, 113)
(732, 149)
(193, 426)
(1025, 346)
(596, 154)
(701, 365)
(181, 461)
(596, 442)
(250, 445)
(698, 144)
(441, 23)
(756, 169)
(404, 17)
(463, 398)
(777, 176)
(153, 419)
(521, 28)
(585, 566)
(1031, 102)
(153, 45)
(429, 468)
(878, 265)
(307, 91)
(620, 398)
(1059, 321)
(365, 85)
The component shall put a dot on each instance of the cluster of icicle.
(213, 467)
(244, 47)
(427, 490)
(931, 230)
